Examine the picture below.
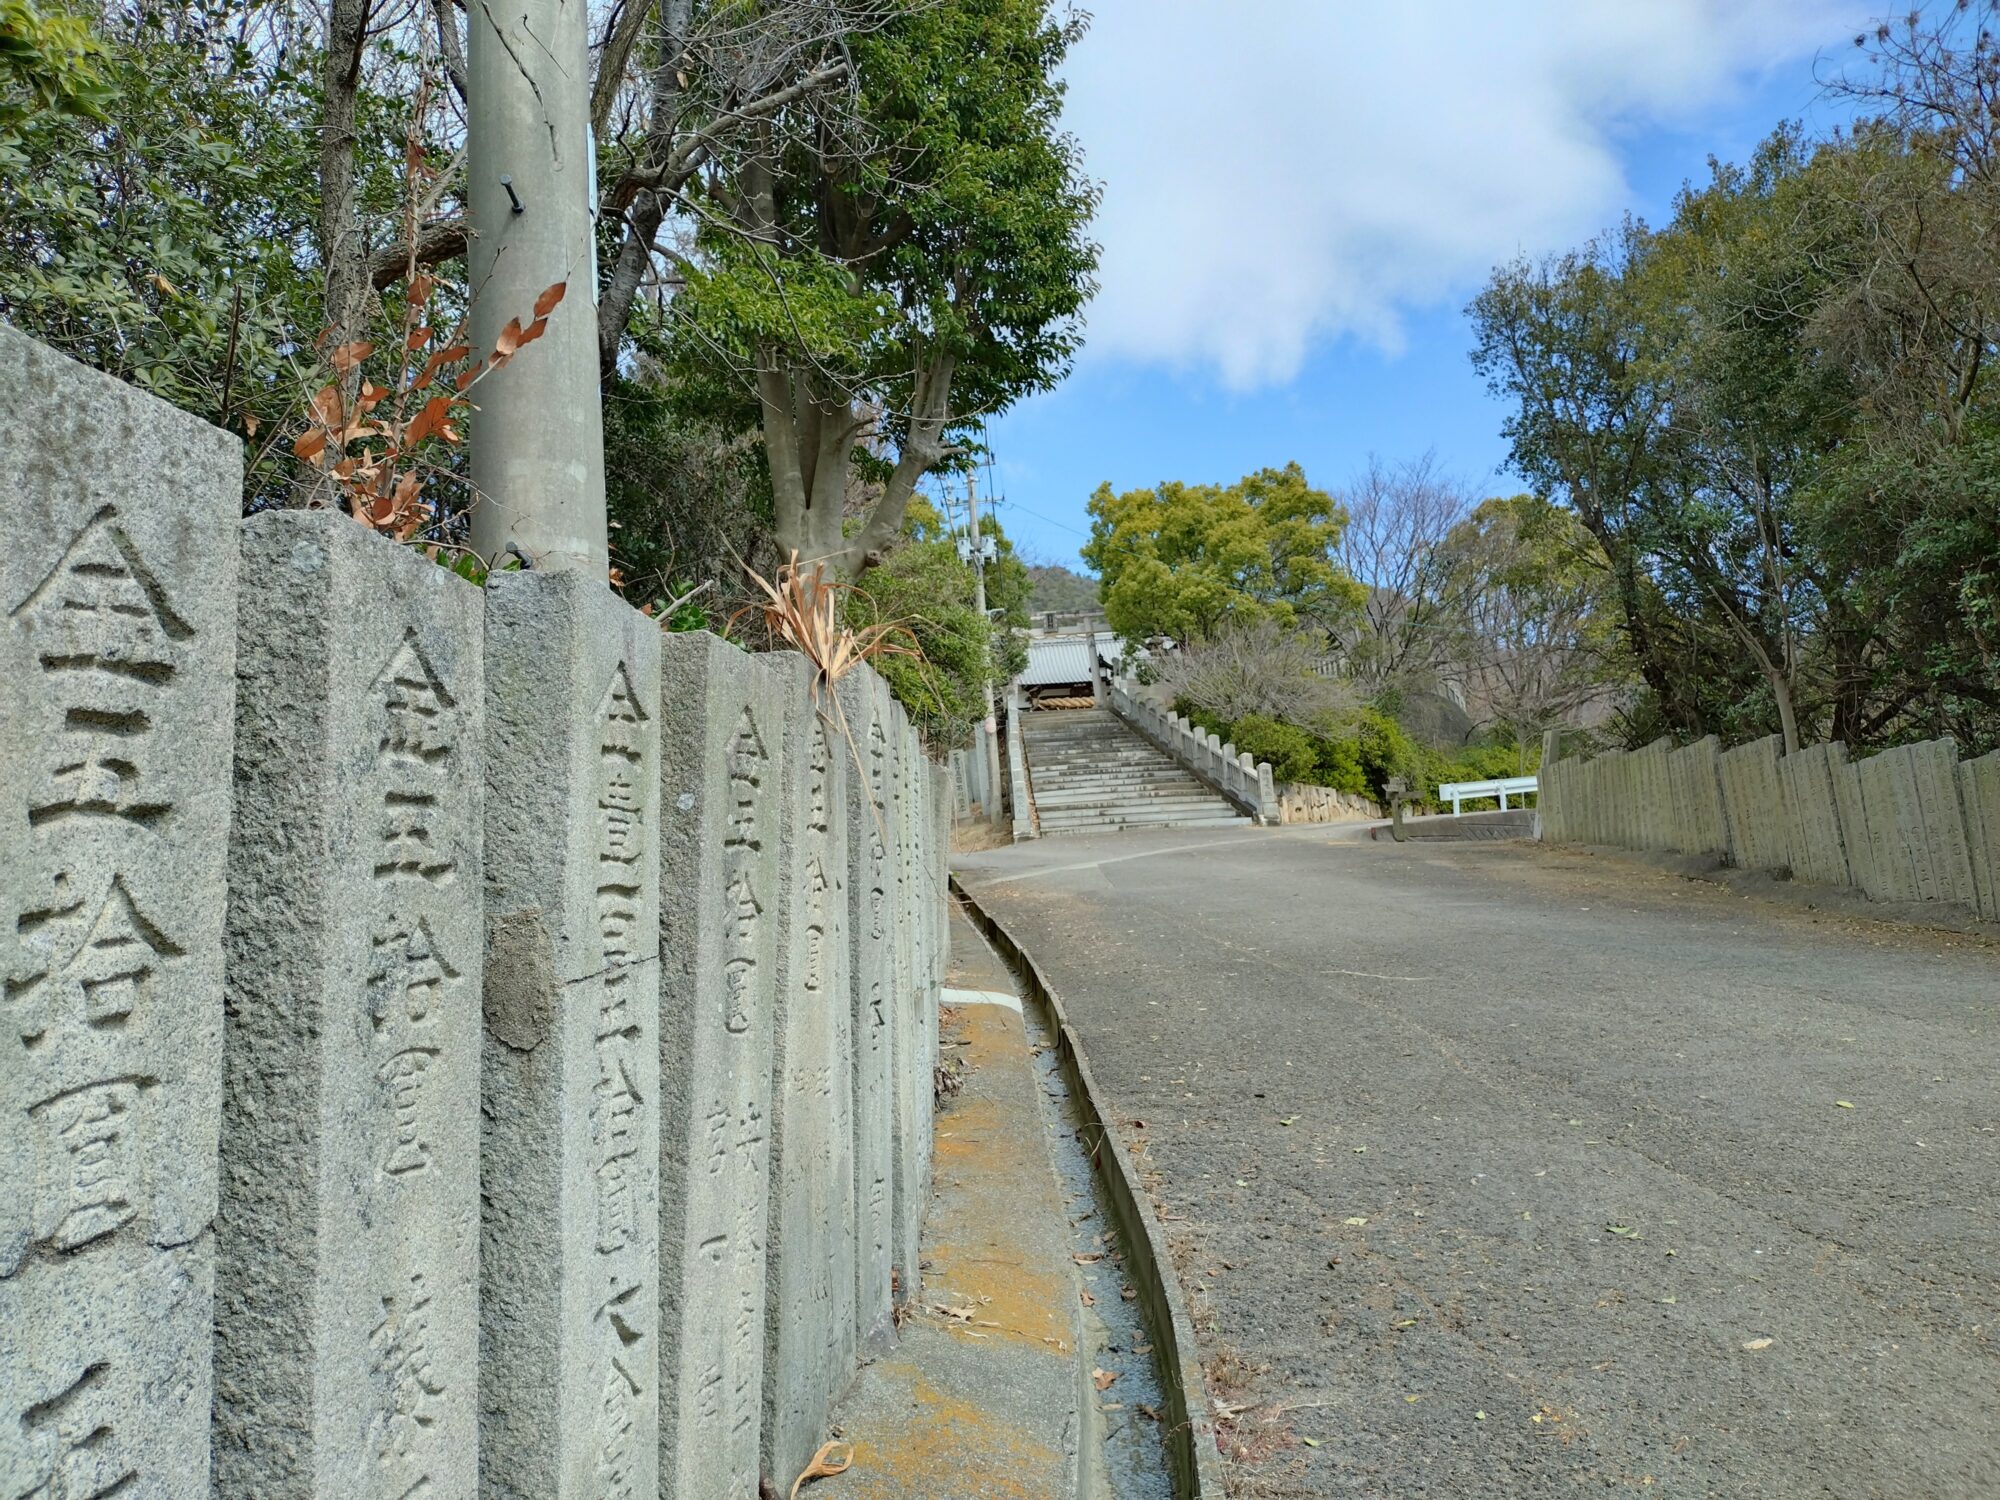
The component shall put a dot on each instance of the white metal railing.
(1244, 781)
(1457, 792)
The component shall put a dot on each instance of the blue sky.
(1302, 195)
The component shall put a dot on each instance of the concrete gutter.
(986, 1391)
(1189, 1432)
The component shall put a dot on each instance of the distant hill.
(1060, 589)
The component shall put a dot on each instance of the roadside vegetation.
(1776, 414)
(1390, 629)
(835, 238)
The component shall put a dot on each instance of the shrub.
(1292, 752)
(1386, 752)
(1338, 765)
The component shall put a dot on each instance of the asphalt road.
(1502, 1171)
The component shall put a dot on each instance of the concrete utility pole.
(979, 603)
(538, 433)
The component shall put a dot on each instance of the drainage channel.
(1123, 1452)
(1126, 1417)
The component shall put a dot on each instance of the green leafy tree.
(158, 235)
(49, 61)
(868, 296)
(1181, 561)
(928, 589)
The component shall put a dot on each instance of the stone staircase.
(1091, 772)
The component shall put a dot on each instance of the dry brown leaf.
(1755, 1344)
(1102, 1378)
(550, 297)
(824, 1465)
(346, 356)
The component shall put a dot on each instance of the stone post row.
(461, 1043)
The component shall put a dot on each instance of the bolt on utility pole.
(979, 603)
(538, 430)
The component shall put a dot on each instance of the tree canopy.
(878, 294)
(1180, 561)
(1774, 416)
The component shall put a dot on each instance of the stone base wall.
(460, 1042)
(1302, 802)
(1911, 824)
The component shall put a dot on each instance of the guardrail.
(1504, 787)
(1245, 782)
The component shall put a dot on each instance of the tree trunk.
(342, 240)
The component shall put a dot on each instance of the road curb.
(1189, 1428)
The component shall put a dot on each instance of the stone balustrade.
(1243, 780)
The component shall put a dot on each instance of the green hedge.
(1361, 763)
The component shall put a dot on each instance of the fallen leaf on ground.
(1289, 1120)
(824, 1465)
(1754, 1344)
(1842, 1104)
(1103, 1378)
(1310, 1442)
(1087, 1257)
(1354, 1223)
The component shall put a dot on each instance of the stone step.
(1116, 825)
(1145, 796)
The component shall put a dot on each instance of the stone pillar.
(722, 716)
(347, 1253)
(117, 692)
(570, 1066)
(912, 1125)
(871, 989)
(809, 1325)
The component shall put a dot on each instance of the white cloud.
(1282, 172)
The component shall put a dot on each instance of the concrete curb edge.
(1190, 1428)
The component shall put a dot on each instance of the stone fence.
(1302, 802)
(458, 1042)
(1244, 781)
(1910, 824)
(975, 799)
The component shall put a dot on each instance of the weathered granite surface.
(347, 1249)
(722, 772)
(809, 1314)
(117, 685)
(871, 967)
(570, 1066)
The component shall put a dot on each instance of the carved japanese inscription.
(91, 966)
(414, 993)
(117, 693)
(623, 842)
